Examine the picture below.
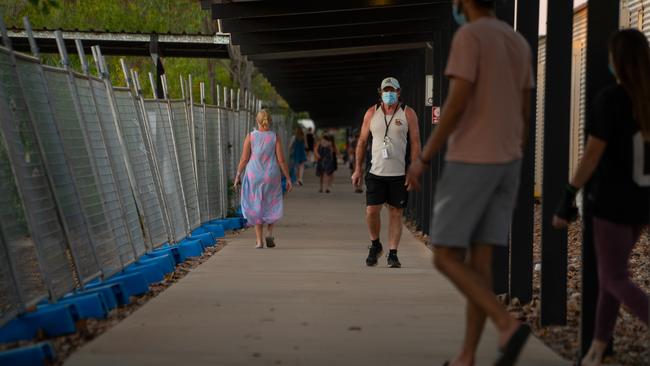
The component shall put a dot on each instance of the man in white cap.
(391, 125)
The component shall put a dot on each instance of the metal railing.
(93, 176)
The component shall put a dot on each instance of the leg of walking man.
(373, 219)
(394, 235)
(480, 259)
(450, 262)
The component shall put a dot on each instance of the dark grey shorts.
(474, 204)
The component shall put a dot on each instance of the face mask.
(459, 17)
(611, 69)
(389, 98)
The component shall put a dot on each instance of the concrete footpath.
(309, 301)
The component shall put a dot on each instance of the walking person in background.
(325, 153)
(352, 154)
(392, 125)
(309, 139)
(616, 156)
(261, 186)
(298, 152)
(485, 121)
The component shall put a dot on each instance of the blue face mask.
(611, 69)
(389, 97)
(459, 17)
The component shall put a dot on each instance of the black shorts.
(391, 190)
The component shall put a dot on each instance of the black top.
(310, 141)
(617, 193)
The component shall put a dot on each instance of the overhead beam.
(253, 9)
(302, 47)
(395, 28)
(334, 19)
(335, 51)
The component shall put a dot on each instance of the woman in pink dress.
(261, 185)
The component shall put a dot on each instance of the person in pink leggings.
(617, 158)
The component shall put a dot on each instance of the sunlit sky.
(542, 14)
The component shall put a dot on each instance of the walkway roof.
(329, 57)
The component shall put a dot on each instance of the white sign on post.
(429, 94)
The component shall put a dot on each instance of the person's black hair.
(631, 57)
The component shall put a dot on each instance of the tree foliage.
(160, 16)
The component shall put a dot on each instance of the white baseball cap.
(390, 81)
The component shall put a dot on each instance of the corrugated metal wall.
(634, 14)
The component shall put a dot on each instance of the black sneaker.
(393, 261)
(373, 255)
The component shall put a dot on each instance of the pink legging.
(614, 243)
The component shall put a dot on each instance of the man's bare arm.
(414, 133)
(360, 154)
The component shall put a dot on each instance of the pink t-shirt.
(497, 60)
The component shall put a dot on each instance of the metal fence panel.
(120, 169)
(160, 131)
(10, 303)
(214, 167)
(18, 242)
(233, 136)
(223, 152)
(22, 282)
(66, 115)
(130, 124)
(102, 162)
(183, 141)
(42, 220)
(199, 117)
(63, 184)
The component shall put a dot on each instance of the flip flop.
(509, 354)
(270, 242)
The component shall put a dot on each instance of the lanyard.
(387, 123)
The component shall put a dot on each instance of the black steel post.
(154, 50)
(425, 131)
(556, 159)
(505, 10)
(521, 242)
(603, 21)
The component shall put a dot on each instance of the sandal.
(270, 242)
(259, 246)
(509, 354)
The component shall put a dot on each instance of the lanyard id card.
(385, 148)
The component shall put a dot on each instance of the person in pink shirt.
(484, 122)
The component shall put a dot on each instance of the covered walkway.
(310, 301)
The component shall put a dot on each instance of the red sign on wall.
(435, 115)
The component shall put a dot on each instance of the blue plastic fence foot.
(189, 248)
(16, 330)
(133, 284)
(229, 223)
(151, 272)
(166, 251)
(217, 230)
(198, 230)
(87, 305)
(165, 262)
(206, 239)
(38, 354)
(106, 294)
(117, 290)
(55, 320)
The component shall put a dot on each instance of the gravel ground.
(631, 339)
(89, 329)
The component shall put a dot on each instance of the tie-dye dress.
(261, 193)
